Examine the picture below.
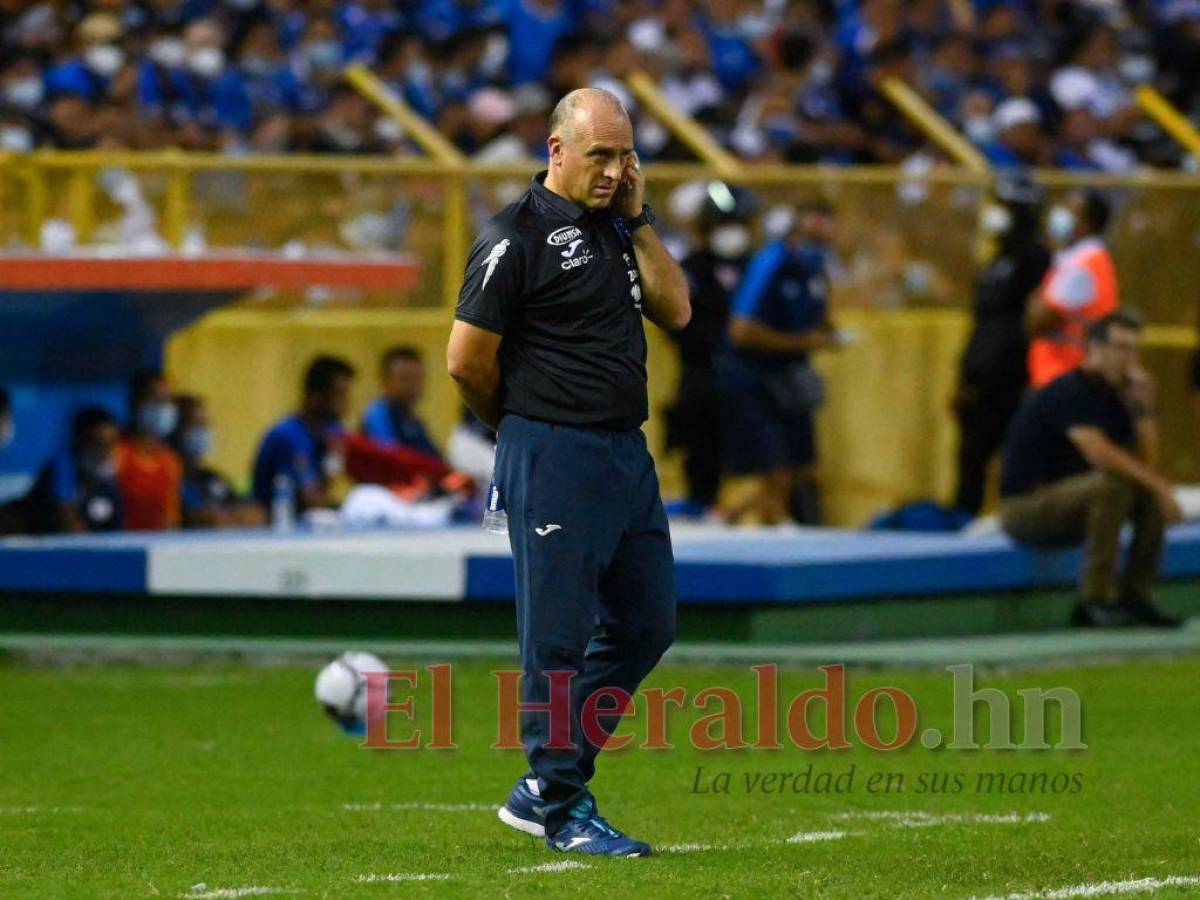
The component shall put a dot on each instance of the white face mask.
(389, 130)
(1060, 224)
(821, 71)
(996, 220)
(979, 129)
(168, 52)
(1137, 69)
(104, 59)
(729, 241)
(207, 62)
(495, 55)
(26, 93)
(324, 54)
(16, 138)
(332, 465)
(418, 71)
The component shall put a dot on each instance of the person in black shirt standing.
(1079, 462)
(713, 269)
(994, 374)
(548, 346)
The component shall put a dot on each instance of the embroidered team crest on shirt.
(493, 259)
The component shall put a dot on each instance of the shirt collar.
(562, 205)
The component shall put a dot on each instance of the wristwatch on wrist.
(645, 217)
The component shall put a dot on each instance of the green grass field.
(153, 781)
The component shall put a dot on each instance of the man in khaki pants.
(1079, 462)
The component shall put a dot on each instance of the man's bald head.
(591, 147)
(583, 104)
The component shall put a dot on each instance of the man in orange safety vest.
(1080, 288)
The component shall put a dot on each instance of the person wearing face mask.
(100, 58)
(1080, 288)
(15, 135)
(769, 391)
(191, 81)
(209, 499)
(165, 54)
(149, 472)
(23, 124)
(713, 269)
(77, 490)
(302, 452)
(993, 375)
(213, 92)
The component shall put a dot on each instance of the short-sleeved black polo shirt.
(1038, 450)
(561, 285)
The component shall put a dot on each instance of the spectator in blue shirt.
(733, 58)
(98, 62)
(769, 391)
(391, 419)
(534, 30)
(203, 91)
(364, 26)
(303, 448)
(271, 85)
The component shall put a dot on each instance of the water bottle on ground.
(283, 500)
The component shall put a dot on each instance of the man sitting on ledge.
(1080, 461)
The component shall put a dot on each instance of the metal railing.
(913, 229)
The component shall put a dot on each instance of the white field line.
(403, 876)
(198, 892)
(34, 810)
(1105, 888)
(914, 819)
(800, 837)
(811, 837)
(566, 865)
(427, 807)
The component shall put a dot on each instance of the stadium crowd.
(1029, 81)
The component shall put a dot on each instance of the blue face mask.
(197, 443)
(157, 418)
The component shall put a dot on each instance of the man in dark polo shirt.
(548, 346)
(1079, 462)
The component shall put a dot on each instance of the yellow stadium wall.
(885, 434)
